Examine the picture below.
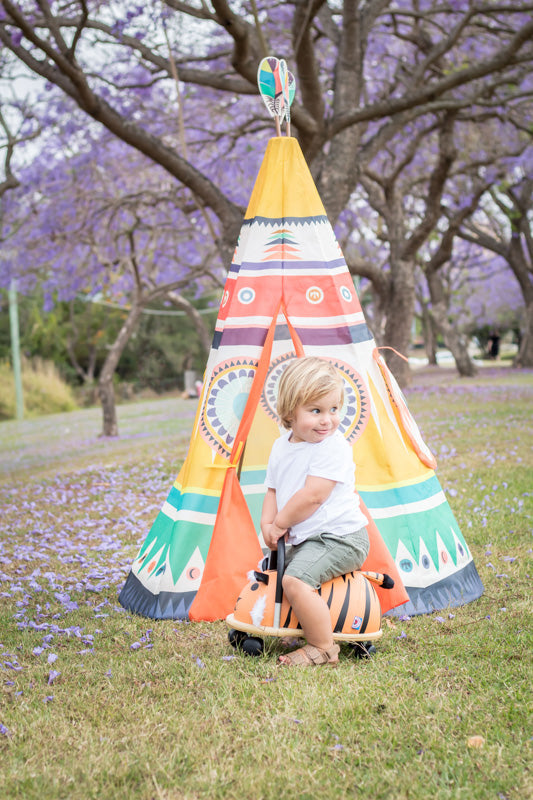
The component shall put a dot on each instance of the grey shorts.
(324, 556)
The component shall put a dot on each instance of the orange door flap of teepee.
(234, 548)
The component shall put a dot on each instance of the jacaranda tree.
(369, 74)
(116, 228)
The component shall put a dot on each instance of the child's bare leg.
(311, 610)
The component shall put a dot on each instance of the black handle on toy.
(279, 577)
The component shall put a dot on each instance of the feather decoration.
(268, 80)
(277, 87)
(291, 91)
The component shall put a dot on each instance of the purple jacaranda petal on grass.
(4, 731)
(74, 630)
(199, 662)
(439, 619)
(109, 674)
(37, 651)
(48, 699)
(52, 676)
(42, 627)
(228, 658)
(52, 657)
(135, 646)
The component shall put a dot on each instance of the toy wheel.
(363, 649)
(252, 646)
(236, 638)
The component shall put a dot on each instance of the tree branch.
(428, 93)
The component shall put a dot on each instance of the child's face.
(316, 421)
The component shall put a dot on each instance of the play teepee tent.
(289, 293)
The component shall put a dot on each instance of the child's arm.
(268, 514)
(304, 502)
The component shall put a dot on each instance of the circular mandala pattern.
(314, 295)
(224, 403)
(355, 410)
(346, 294)
(246, 295)
(269, 396)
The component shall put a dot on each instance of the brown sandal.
(310, 656)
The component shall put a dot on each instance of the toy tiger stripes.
(352, 601)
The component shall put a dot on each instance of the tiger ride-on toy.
(262, 609)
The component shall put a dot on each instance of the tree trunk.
(400, 313)
(430, 339)
(525, 353)
(106, 391)
(455, 341)
(195, 317)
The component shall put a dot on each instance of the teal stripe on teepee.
(192, 501)
(387, 498)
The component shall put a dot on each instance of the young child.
(310, 500)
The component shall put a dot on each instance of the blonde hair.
(304, 381)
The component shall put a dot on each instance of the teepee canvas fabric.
(289, 293)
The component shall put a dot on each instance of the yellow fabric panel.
(263, 433)
(284, 186)
(383, 456)
(202, 472)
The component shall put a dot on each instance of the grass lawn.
(98, 703)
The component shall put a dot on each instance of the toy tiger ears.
(277, 87)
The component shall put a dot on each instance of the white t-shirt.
(288, 467)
